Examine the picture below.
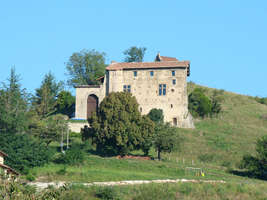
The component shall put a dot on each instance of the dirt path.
(42, 185)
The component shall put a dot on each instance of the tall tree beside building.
(46, 96)
(13, 105)
(134, 54)
(84, 67)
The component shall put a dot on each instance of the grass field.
(216, 146)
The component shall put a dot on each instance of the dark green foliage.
(261, 100)
(73, 156)
(46, 96)
(23, 151)
(106, 193)
(85, 67)
(13, 105)
(166, 138)
(65, 103)
(134, 54)
(257, 165)
(156, 115)
(118, 127)
(199, 103)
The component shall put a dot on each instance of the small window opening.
(175, 121)
(173, 73)
(151, 73)
(135, 73)
(140, 109)
(174, 81)
(171, 106)
(126, 88)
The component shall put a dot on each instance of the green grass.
(216, 145)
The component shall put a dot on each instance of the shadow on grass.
(249, 174)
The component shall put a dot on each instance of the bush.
(30, 177)
(156, 115)
(107, 193)
(257, 165)
(199, 104)
(73, 156)
(24, 151)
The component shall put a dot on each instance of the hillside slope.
(223, 140)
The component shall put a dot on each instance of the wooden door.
(91, 105)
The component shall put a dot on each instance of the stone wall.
(146, 90)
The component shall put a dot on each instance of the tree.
(85, 67)
(118, 127)
(257, 165)
(65, 103)
(156, 115)
(50, 129)
(23, 151)
(134, 54)
(46, 96)
(199, 103)
(166, 138)
(13, 105)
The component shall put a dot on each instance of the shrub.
(199, 103)
(30, 177)
(156, 115)
(73, 156)
(257, 165)
(106, 193)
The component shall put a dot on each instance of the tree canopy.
(118, 127)
(257, 165)
(84, 67)
(13, 105)
(156, 115)
(46, 96)
(134, 54)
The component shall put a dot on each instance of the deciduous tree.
(84, 67)
(134, 54)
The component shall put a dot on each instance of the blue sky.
(225, 41)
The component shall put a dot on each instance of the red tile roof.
(9, 169)
(148, 65)
(165, 58)
(3, 154)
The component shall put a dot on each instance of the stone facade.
(160, 84)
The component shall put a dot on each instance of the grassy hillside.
(216, 145)
(223, 140)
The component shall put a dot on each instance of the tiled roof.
(165, 58)
(9, 169)
(148, 65)
(3, 154)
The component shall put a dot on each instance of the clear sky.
(225, 40)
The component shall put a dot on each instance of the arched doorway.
(92, 104)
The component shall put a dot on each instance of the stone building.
(160, 84)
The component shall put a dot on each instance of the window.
(127, 88)
(162, 89)
(151, 73)
(171, 106)
(174, 121)
(135, 73)
(174, 81)
(173, 73)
